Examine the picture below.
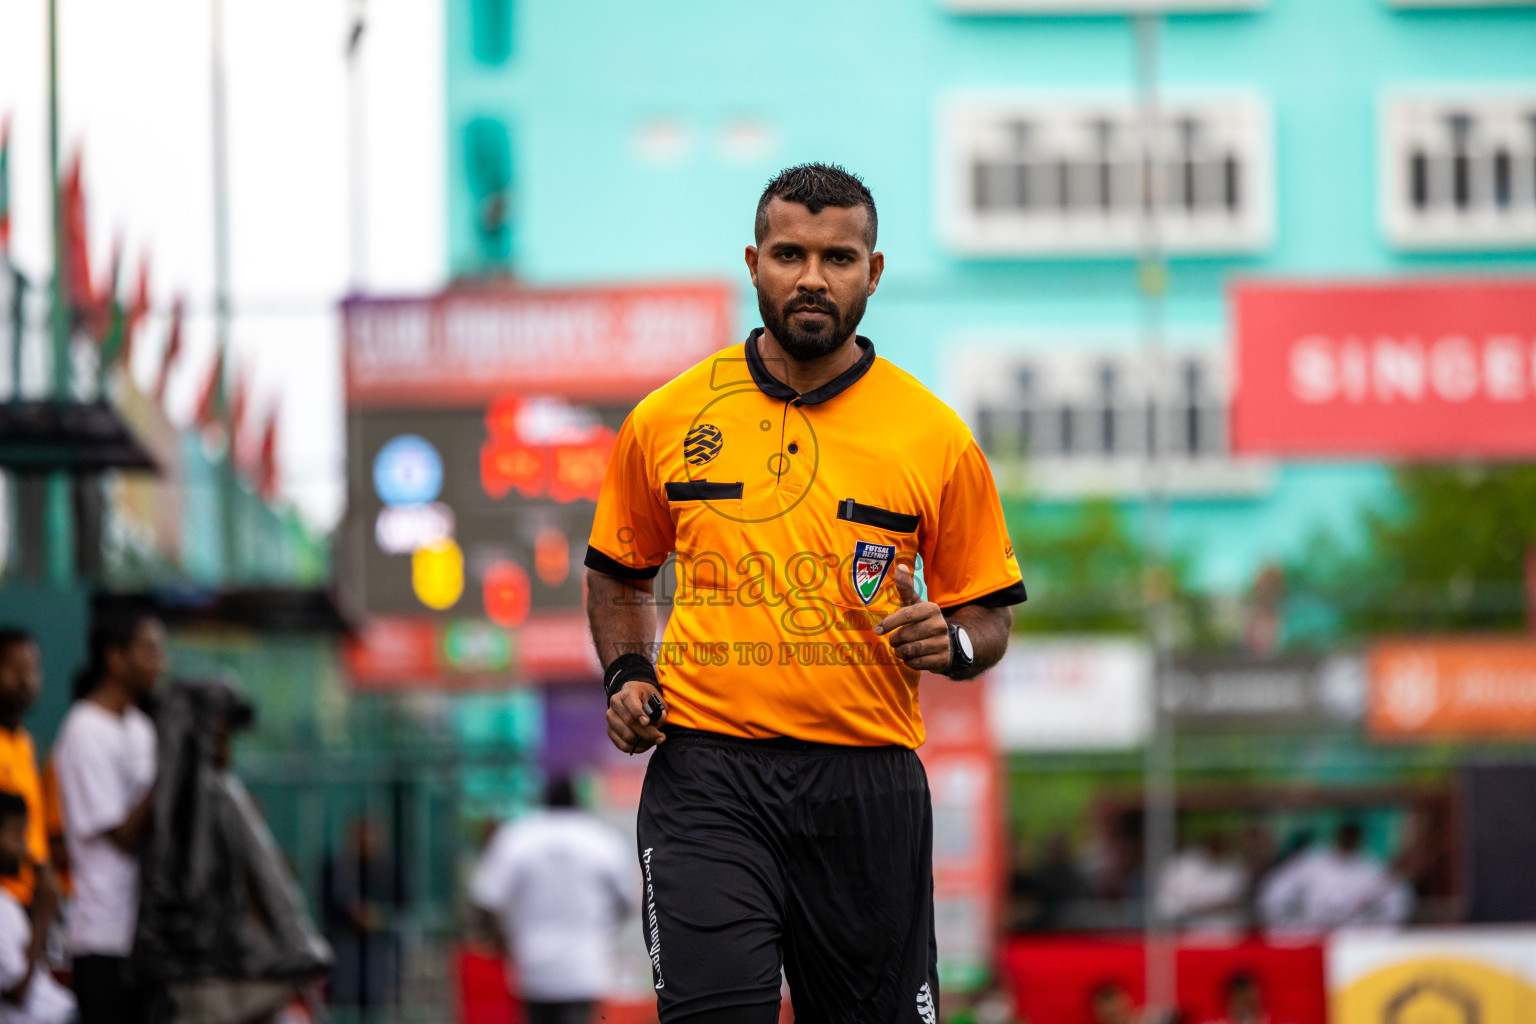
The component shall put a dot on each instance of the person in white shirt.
(1201, 888)
(558, 883)
(105, 761)
(28, 993)
(1320, 890)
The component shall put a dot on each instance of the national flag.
(5, 188)
(210, 404)
(77, 256)
(267, 475)
(172, 350)
(110, 319)
(105, 306)
(237, 411)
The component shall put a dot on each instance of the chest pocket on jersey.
(873, 515)
(703, 490)
(876, 525)
(707, 517)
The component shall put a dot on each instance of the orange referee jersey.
(18, 774)
(788, 513)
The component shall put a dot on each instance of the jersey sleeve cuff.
(600, 562)
(1012, 594)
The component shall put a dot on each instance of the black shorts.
(759, 854)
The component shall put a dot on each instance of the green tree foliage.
(1448, 555)
(1084, 569)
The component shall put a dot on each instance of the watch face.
(965, 644)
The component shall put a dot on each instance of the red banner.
(468, 347)
(963, 775)
(1402, 370)
(1054, 978)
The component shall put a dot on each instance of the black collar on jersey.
(771, 386)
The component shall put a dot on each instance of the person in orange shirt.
(802, 483)
(21, 680)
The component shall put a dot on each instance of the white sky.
(135, 99)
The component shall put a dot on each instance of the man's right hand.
(629, 727)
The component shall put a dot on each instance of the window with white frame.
(1105, 6)
(1064, 176)
(1083, 420)
(1459, 171)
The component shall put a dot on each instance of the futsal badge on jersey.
(870, 564)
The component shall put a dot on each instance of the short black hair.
(114, 632)
(14, 636)
(559, 792)
(11, 806)
(1105, 989)
(815, 187)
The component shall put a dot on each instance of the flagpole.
(56, 498)
(59, 320)
(357, 146)
(228, 484)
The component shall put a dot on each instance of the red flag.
(172, 350)
(210, 402)
(237, 411)
(103, 307)
(267, 479)
(77, 257)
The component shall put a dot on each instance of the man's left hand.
(918, 630)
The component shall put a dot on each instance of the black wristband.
(626, 667)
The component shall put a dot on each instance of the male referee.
(785, 819)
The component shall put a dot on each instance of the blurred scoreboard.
(479, 427)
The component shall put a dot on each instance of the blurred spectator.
(28, 993)
(1423, 864)
(1042, 887)
(362, 892)
(1319, 890)
(1245, 1002)
(1126, 879)
(1110, 1003)
(21, 678)
(1023, 896)
(1202, 887)
(1259, 859)
(53, 822)
(1055, 883)
(558, 882)
(105, 757)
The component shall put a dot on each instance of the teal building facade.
(602, 141)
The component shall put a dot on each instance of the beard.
(803, 346)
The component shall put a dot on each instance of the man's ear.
(752, 263)
(876, 268)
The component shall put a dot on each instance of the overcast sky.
(135, 99)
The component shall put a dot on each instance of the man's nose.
(811, 279)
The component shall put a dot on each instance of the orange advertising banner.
(1438, 688)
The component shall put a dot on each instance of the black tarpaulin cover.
(217, 900)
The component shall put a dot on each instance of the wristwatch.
(961, 654)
